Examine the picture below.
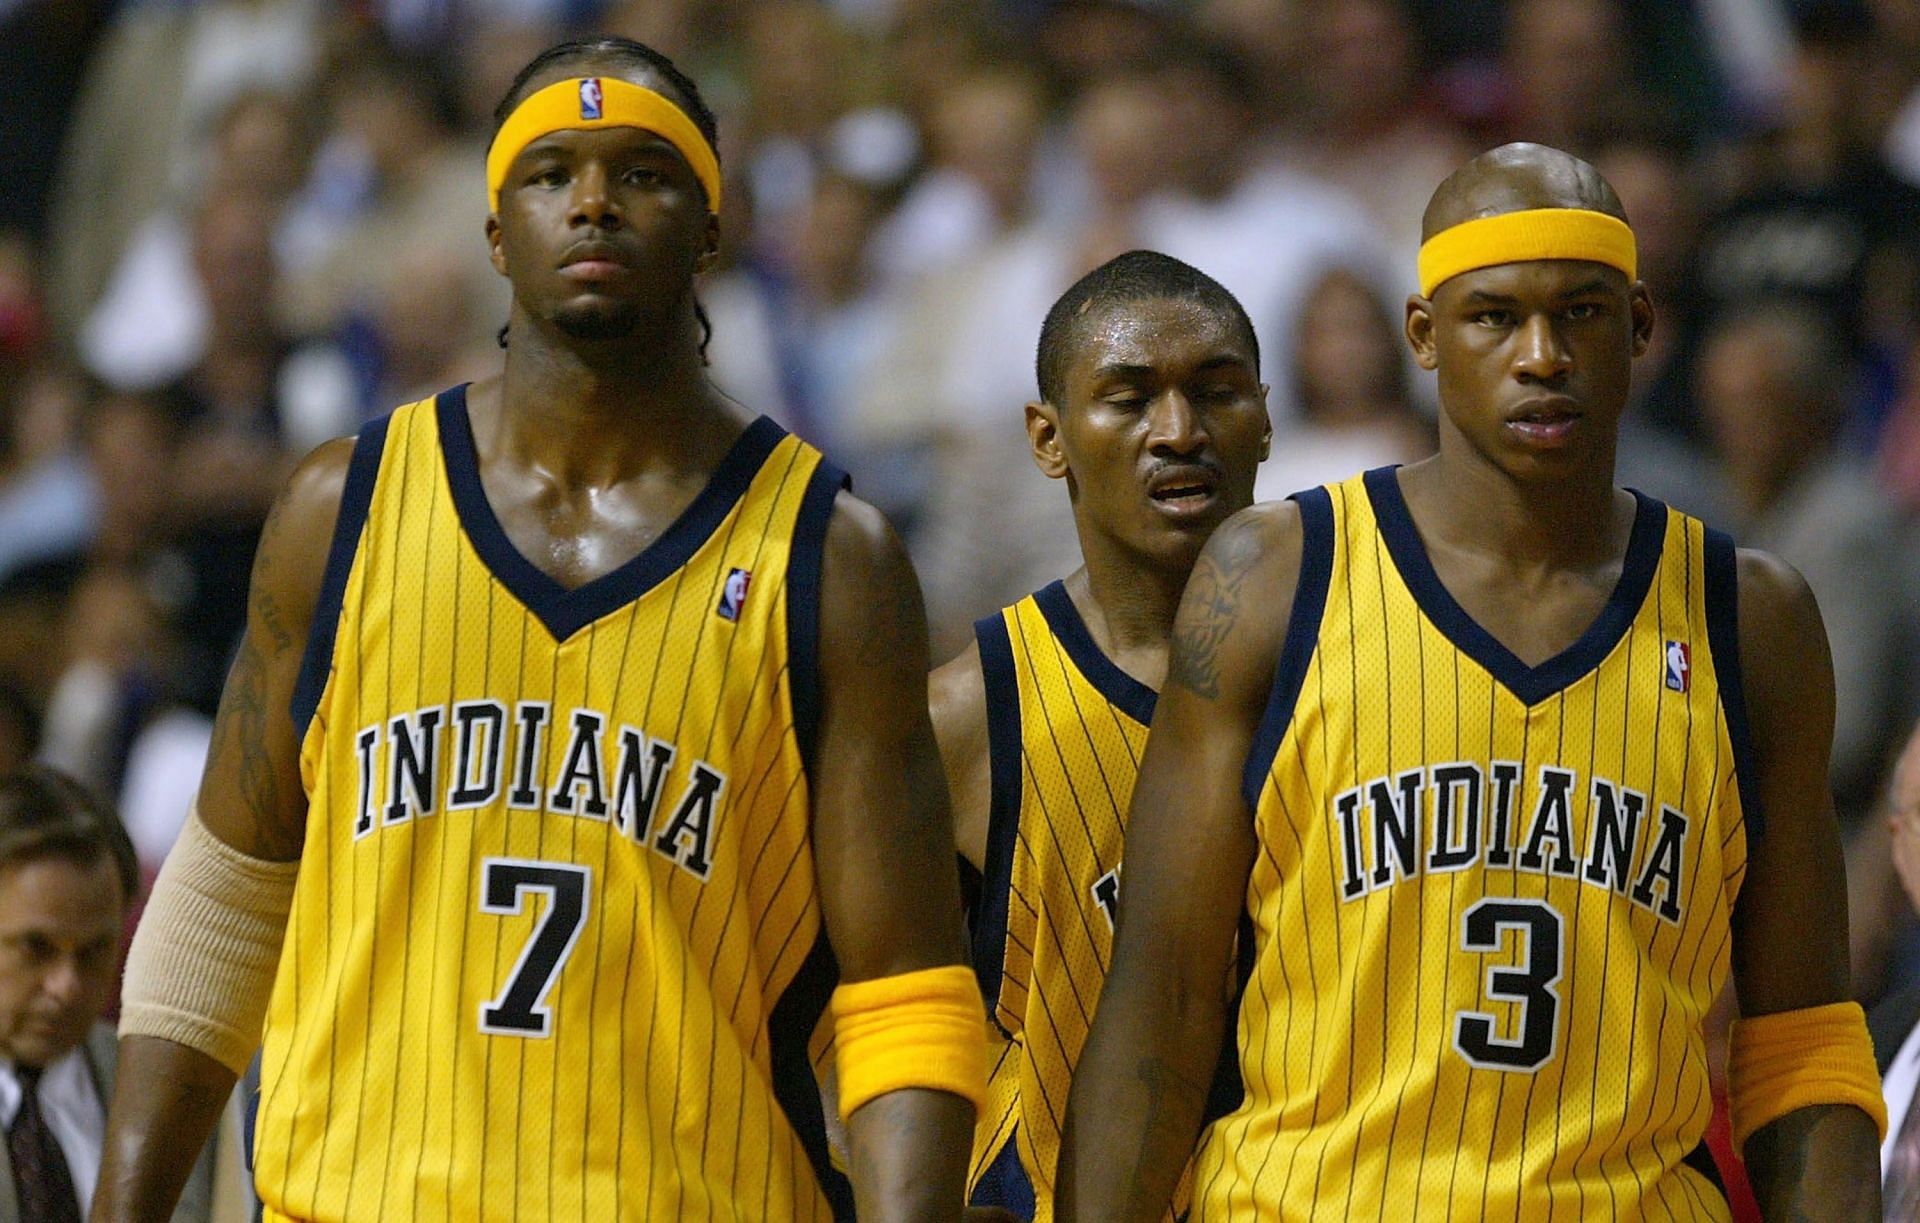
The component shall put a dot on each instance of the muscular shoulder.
(958, 699)
(1773, 594)
(872, 623)
(866, 565)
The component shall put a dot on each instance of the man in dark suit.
(1895, 1022)
(67, 878)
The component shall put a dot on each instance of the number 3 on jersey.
(1529, 983)
(520, 1009)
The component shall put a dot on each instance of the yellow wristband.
(916, 1029)
(1795, 1059)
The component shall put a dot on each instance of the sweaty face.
(1164, 422)
(60, 926)
(600, 231)
(1534, 359)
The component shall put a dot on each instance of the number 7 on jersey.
(521, 1008)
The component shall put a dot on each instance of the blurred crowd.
(232, 229)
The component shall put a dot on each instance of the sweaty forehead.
(1155, 332)
(1516, 178)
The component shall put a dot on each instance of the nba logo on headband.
(590, 97)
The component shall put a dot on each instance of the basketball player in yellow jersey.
(1508, 768)
(581, 725)
(1152, 410)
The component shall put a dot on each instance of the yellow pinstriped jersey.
(555, 950)
(1491, 901)
(1065, 728)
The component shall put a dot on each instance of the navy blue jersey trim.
(1723, 638)
(1701, 1159)
(971, 881)
(790, 1028)
(1005, 1182)
(1530, 684)
(1124, 692)
(356, 498)
(805, 562)
(1003, 812)
(1303, 635)
(563, 611)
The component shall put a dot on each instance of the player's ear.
(1640, 307)
(1420, 331)
(709, 245)
(494, 253)
(1266, 435)
(1043, 435)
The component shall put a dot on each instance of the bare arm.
(1134, 1111)
(883, 846)
(167, 1097)
(959, 707)
(1790, 924)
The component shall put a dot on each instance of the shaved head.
(1515, 178)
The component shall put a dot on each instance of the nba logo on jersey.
(1679, 665)
(733, 592)
(590, 98)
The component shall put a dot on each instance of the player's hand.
(1904, 819)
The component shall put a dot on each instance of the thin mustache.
(1207, 465)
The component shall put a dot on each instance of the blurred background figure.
(1367, 126)
(1820, 217)
(1895, 1022)
(1774, 383)
(1351, 386)
(67, 886)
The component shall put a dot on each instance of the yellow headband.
(1519, 237)
(590, 102)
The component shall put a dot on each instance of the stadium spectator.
(1351, 386)
(1367, 128)
(983, 132)
(1823, 219)
(46, 505)
(150, 323)
(1895, 1022)
(1772, 385)
(152, 90)
(67, 880)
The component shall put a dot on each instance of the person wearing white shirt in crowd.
(1895, 1021)
(67, 879)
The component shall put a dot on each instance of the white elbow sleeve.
(202, 962)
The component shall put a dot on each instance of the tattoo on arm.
(275, 622)
(1209, 611)
(241, 730)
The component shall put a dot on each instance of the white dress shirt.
(70, 1101)
(1903, 1075)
